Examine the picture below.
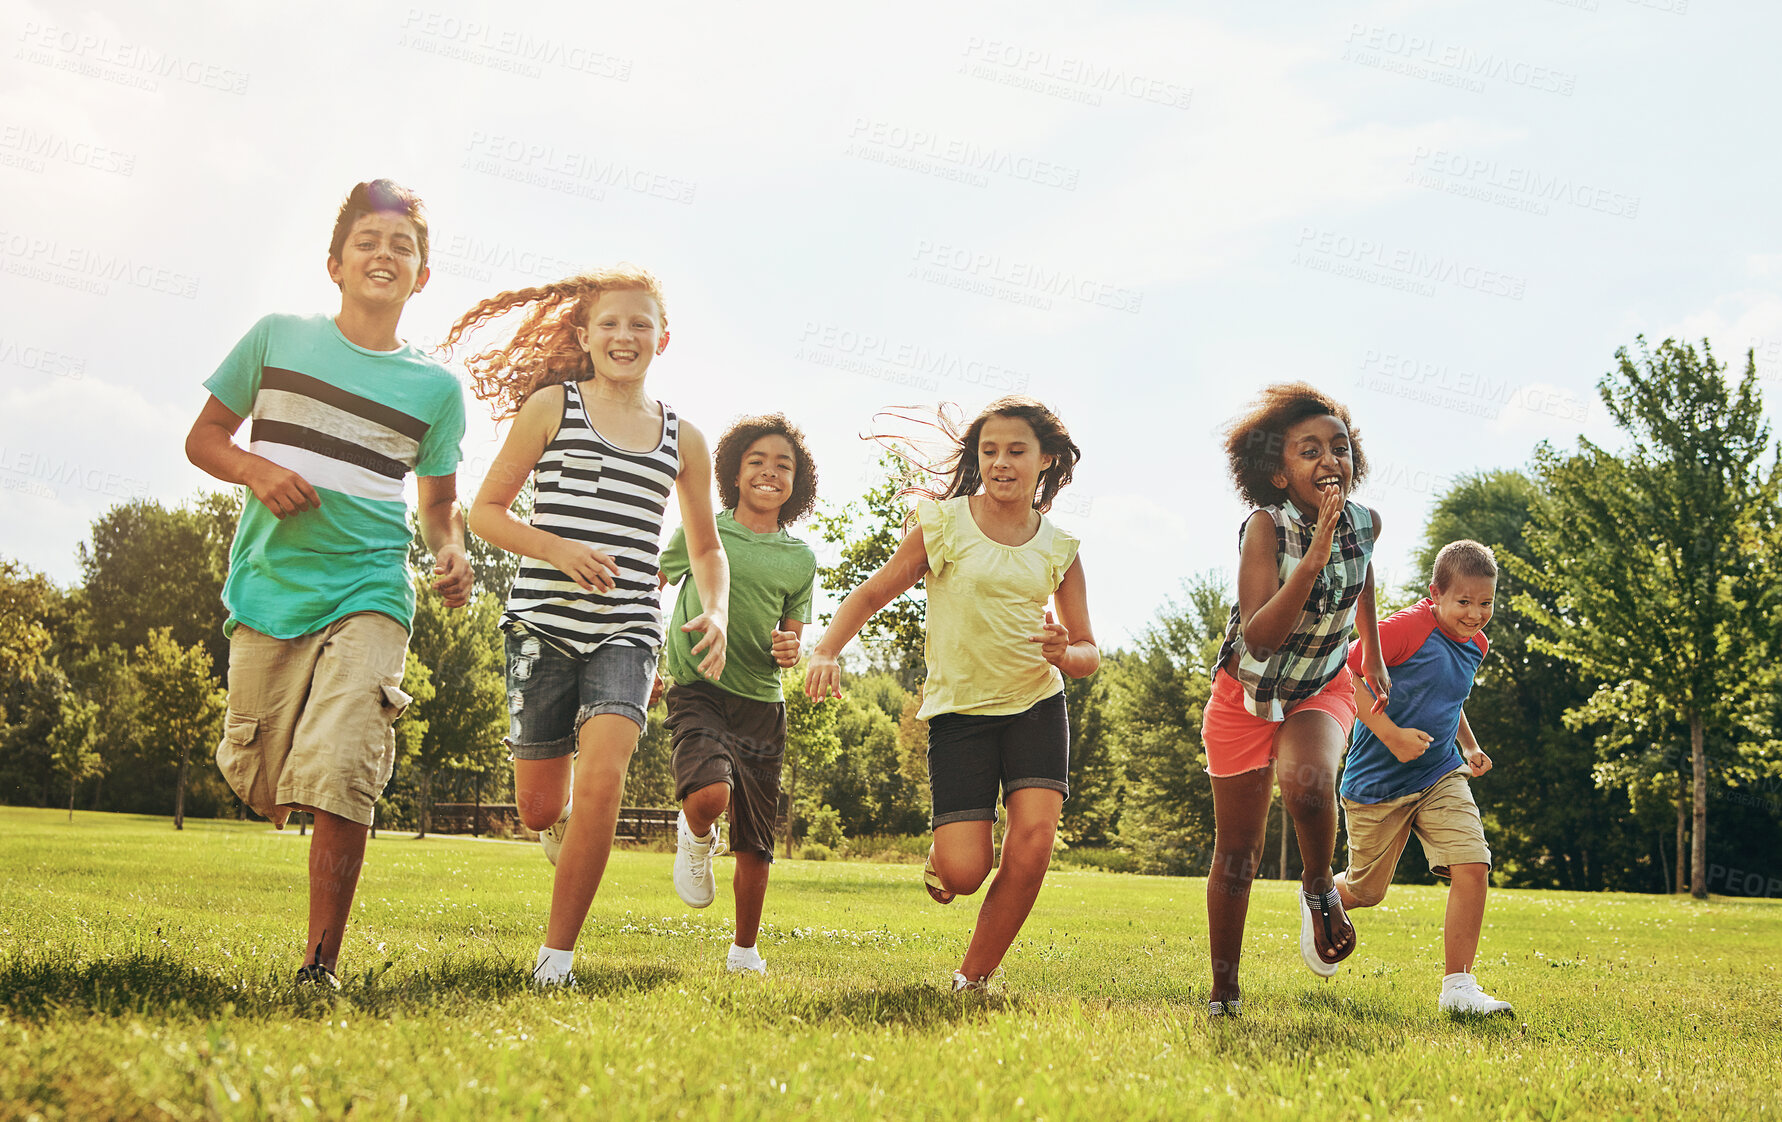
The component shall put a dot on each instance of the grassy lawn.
(145, 973)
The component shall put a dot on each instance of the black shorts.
(722, 738)
(970, 757)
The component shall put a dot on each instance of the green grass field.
(145, 973)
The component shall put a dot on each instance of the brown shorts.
(309, 718)
(722, 738)
(1447, 823)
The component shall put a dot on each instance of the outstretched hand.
(713, 625)
(822, 678)
(453, 577)
(1054, 640)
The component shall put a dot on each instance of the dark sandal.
(1315, 910)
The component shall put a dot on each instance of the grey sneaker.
(1461, 994)
(693, 879)
(552, 837)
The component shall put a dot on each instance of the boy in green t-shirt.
(318, 592)
(730, 736)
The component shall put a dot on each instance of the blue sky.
(1448, 215)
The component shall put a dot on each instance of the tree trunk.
(179, 795)
(71, 800)
(791, 805)
(1682, 836)
(426, 801)
(476, 814)
(1698, 845)
(1664, 864)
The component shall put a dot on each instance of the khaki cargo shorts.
(1445, 818)
(309, 722)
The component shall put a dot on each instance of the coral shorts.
(1237, 740)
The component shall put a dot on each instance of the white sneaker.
(552, 837)
(962, 984)
(745, 960)
(1461, 994)
(553, 969)
(693, 879)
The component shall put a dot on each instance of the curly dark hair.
(1256, 442)
(727, 463)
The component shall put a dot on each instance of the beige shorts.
(1447, 823)
(309, 722)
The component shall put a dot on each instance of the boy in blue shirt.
(1408, 766)
(319, 595)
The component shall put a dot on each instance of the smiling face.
(764, 482)
(623, 332)
(1316, 457)
(1465, 605)
(1010, 460)
(380, 261)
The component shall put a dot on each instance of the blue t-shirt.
(353, 423)
(1432, 676)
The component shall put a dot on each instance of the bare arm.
(822, 678)
(492, 520)
(705, 553)
(1069, 644)
(1404, 744)
(1267, 605)
(1476, 759)
(442, 528)
(786, 639)
(211, 446)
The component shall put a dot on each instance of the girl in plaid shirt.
(1281, 689)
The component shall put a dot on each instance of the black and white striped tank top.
(587, 489)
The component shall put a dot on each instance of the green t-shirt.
(353, 423)
(772, 578)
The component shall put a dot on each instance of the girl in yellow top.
(994, 699)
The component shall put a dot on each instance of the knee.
(708, 802)
(1364, 898)
(1237, 862)
(1471, 875)
(539, 812)
(962, 875)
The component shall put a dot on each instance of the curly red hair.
(543, 350)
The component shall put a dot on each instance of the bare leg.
(336, 855)
(963, 854)
(606, 741)
(541, 788)
(1240, 817)
(1466, 914)
(1026, 855)
(1311, 747)
(750, 886)
(703, 806)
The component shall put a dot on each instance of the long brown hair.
(543, 349)
(957, 466)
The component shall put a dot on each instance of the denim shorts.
(970, 757)
(550, 693)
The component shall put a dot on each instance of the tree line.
(1630, 700)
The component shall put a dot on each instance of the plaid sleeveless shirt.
(1319, 643)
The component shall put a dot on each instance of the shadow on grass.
(162, 987)
(914, 1006)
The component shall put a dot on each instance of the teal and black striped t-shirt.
(353, 423)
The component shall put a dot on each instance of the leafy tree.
(811, 740)
(1656, 558)
(466, 718)
(25, 600)
(148, 566)
(72, 743)
(867, 534)
(181, 706)
(1156, 697)
(1097, 767)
